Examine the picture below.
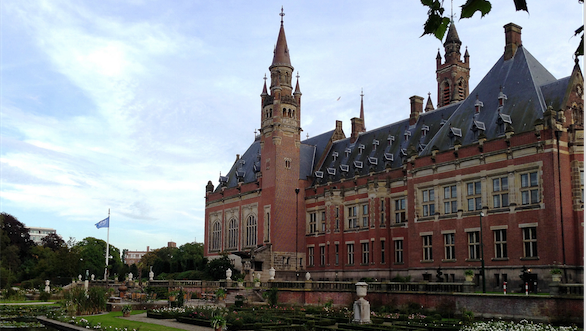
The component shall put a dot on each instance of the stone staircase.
(251, 296)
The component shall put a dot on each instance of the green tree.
(437, 23)
(53, 241)
(216, 268)
(92, 251)
(15, 233)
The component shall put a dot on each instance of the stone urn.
(361, 289)
(556, 278)
(272, 273)
(307, 276)
(122, 289)
(229, 274)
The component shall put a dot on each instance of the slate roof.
(248, 165)
(527, 86)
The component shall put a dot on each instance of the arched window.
(216, 236)
(251, 226)
(233, 233)
(446, 94)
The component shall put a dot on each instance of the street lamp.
(296, 233)
(482, 256)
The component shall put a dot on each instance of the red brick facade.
(406, 200)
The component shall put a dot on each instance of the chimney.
(357, 127)
(147, 249)
(338, 132)
(416, 109)
(512, 40)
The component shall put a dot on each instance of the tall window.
(474, 245)
(400, 215)
(427, 248)
(337, 251)
(310, 256)
(312, 222)
(365, 215)
(382, 212)
(399, 251)
(500, 244)
(529, 189)
(322, 255)
(449, 246)
(382, 252)
(474, 190)
(352, 217)
(450, 202)
(337, 218)
(350, 250)
(530, 242)
(500, 189)
(251, 230)
(233, 233)
(216, 236)
(323, 221)
(365, 253)
(428, 202)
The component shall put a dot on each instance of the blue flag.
(105, 223)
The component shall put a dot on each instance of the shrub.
(272, 296)
(44, 296)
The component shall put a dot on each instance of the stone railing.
(327, 286)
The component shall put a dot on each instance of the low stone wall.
(515, 307)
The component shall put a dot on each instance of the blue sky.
(134, 105)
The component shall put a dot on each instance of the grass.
(114, 320)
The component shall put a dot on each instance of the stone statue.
(79, 277)
(130, 275)
(47, 288)
(151, 274)
(93, 277)
(361, 306)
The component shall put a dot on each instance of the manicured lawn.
(114, 320)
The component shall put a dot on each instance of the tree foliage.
(437, 23)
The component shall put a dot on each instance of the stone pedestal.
(361, 306)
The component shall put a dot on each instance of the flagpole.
(107, 249)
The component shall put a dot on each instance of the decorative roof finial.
(297, 75)
(452, 12)
(282, 14)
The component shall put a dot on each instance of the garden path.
(167, 322)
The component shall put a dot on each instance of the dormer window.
(344, 167)
(391, 139)
(501, 122)
(389, 157)
(373, 160)
(502, 97)
(454, 134)
(331, 171)
(358, 164)
(374, 144)
(256, 167)
(424, 130)
(407, 135)
(477, 128)
(403, 152)
(421, 147)
(319, 174)
(442, 122)
(347, 151)
(360, 148)
(478, 104)
(335, 155)
(223, 180)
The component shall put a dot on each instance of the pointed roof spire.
(429, 104)
(281, 56)
(362, 105)
(264, 89)
(452, 36)
(297, 89)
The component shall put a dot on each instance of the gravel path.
(166, 322)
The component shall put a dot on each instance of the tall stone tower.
(453, 75)
(280, 154)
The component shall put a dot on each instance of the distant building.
(133, 257)
(37, 234)
(500, 167)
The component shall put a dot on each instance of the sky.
(132, 106)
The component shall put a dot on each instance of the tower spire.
(282, 14)
(362, 105)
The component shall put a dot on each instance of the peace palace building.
(499, 167)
